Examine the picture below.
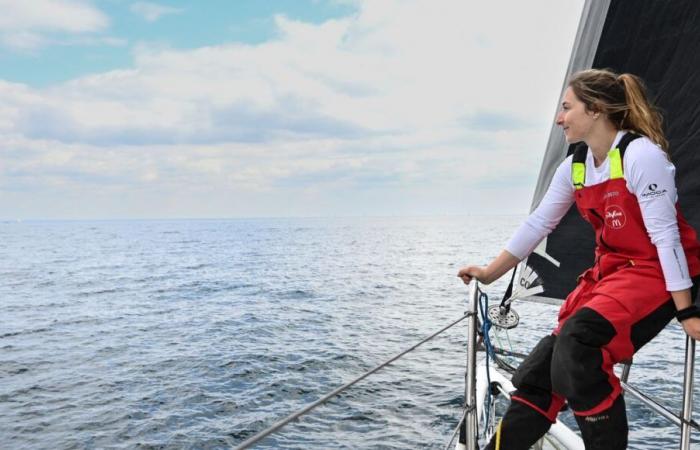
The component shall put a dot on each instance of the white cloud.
(92, 41)
(22, 40)
(153, 11)
(24, 24)
(60, 15)
(403, 98)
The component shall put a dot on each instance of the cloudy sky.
(249, 108)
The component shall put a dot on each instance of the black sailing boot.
(521, 427)
(607, 430)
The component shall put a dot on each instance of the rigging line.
(456, 431)
(263, 434)
(504, 352)
(509, 291)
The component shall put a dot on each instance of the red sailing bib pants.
(618, 305)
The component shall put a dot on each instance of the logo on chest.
(615, 217)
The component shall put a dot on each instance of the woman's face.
(574, 118)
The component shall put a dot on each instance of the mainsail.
(660, 42)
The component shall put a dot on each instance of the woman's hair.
(623, 99)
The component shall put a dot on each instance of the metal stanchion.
(687, 412)
(470, 385)
(626, 365)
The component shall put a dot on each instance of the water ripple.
(198, 334)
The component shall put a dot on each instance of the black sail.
(660, 42)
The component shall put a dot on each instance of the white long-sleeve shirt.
(647, 171)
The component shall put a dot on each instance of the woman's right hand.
(470, 272)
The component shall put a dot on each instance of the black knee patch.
(532, 378)
(577, 360)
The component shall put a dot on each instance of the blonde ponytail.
(641, 116)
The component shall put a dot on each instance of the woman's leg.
(533, 408)
(521, 427)
(602, 333)
(607, 430)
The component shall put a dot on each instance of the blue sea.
(196, 334)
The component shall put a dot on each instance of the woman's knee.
(577, 359)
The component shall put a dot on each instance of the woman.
(646, 270)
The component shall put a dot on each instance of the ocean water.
(198, 334)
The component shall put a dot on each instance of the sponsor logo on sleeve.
(653, 191)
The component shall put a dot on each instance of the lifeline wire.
(456, 431)
(263, 434)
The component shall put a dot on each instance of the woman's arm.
(650, 176)
(555, 203)
(488, 274)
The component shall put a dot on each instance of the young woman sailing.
(646, 270)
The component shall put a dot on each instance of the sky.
(118, 109)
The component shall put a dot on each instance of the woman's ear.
(594, 110)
